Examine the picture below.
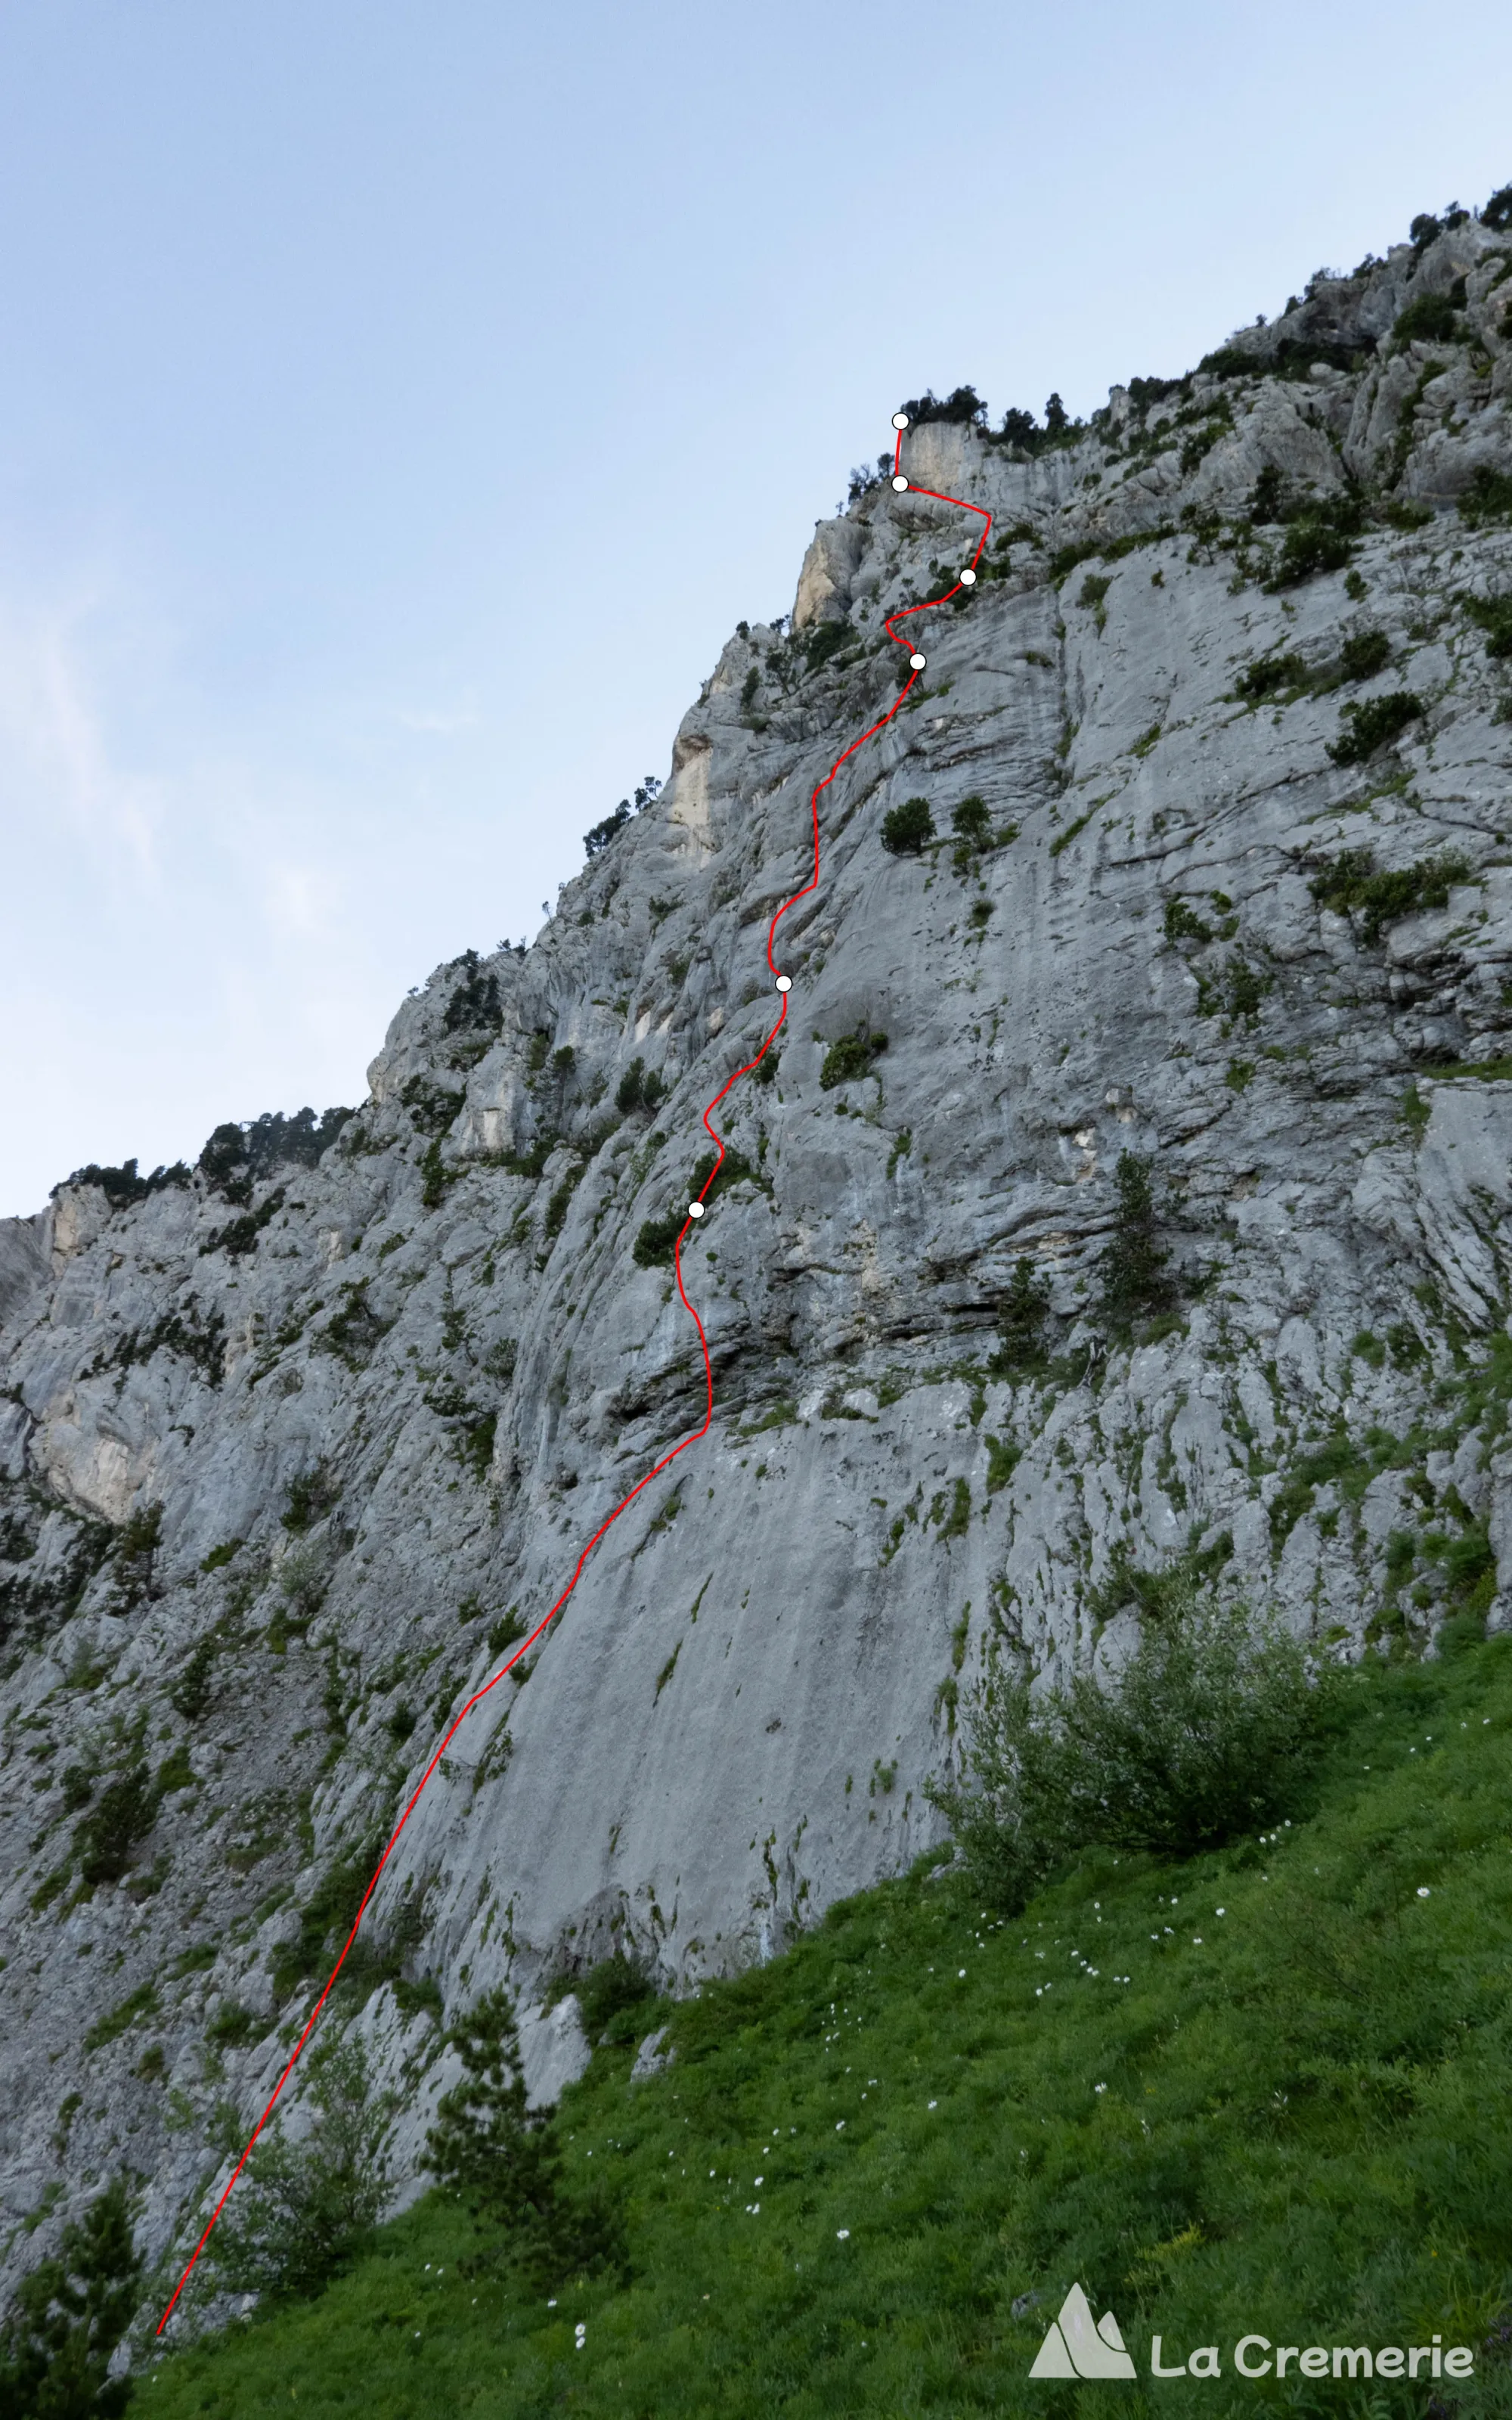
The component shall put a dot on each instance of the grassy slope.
(1303, 2129)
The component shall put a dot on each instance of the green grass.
(142, 2003)
(1063, 840)
(1292, 2118)
(1483, 1071)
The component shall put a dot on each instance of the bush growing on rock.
(1268, 674)
(610, 1993)
(233, 2027)
(962, 404)
(241, 1235)
(823, 642)
(1093, 595)
(1374, 724)
(1021, 1321)
(303, 1579)
(432, 1106)
(78, 1788)
(1364, 653)
(907, 830)
(269, 1142)
(505, 1632)
(310, 1497)
(1352, 885)
(191, 1691)
(637, 1089)
(1430, 318)
(124, 1814)
(1311, 547)
(1493, 614)
(972, 823)
(326, 1919)
(557, 1208)
(1020, 427)
(475, 1001)
(136, 1553)
(223, 1153)
(122, 1187)
(68, 2318)
(301, 2212)
(1136, 1280)
(355, 1330)
(1236, 989)
(1183, 924)
(596, 841)
(657, 1241)
(1488, 497)
(1318, 539)
(717, 1175)
(849, 1058)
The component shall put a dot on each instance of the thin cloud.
(55, 759)
(433, 721)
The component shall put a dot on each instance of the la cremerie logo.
(1077, 2346)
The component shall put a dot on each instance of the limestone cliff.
(292, 1454)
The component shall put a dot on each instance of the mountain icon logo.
(1076, 2345)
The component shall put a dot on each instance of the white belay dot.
(784, 982)
(899, 482)
(968, 577)
(917, 662)
(694, 1209)
(899, 420)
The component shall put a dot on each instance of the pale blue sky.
(401, 404)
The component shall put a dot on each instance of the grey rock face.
(651, 2059)
(290, 1469)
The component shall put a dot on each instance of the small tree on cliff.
(907, 830)
(68, 2318)
(502, 2159)
(1136, 1281)
(302, 2211)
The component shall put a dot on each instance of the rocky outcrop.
(291, 1459)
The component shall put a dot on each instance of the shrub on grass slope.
(303, 2210)
(1200, 1738)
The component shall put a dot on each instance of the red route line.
(692, 1438)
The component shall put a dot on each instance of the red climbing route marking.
(695, 1212)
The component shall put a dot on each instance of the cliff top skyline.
(365, 386)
